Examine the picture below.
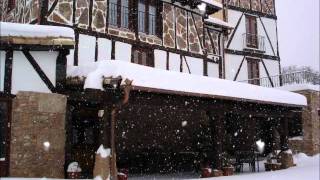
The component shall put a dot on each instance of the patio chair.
(245, 157)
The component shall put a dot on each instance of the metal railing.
(253, 42)
(300, 77)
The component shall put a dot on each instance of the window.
(119, 13)
(147, 16)
(253, 71)
(11, 5)
(251, 32)
(143, 56)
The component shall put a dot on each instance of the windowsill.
(254, 50)
(119, 28)
(149, 35)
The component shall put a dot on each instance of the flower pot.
(74, 175)
(272, 166)
(206, 172)
(228, 171)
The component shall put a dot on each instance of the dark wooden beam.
(252, 54)
(239, 69)
(269, 40)
(8, 72)
(234, 31)
(257, 13)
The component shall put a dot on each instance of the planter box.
(272, 166)
(228, 171)
(217, 173)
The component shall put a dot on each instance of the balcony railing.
(301, 77)
(253, 42)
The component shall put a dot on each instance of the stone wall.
(25, 11)
(310, 121)
(264, 6)
(38, 135)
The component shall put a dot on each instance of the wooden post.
(217, 126)
(284, 134)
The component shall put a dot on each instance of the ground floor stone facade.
(310, 142)
(37, 146)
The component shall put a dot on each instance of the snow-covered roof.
(34, 31)
(219, 22)
(157, 79)
(213, 3)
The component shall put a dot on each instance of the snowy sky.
(298, 26)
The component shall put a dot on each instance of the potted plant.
(74, 170)
(228, 169)
(272, 163)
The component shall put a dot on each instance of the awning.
(157, 80)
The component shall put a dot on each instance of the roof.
(219, 22)
(153, 79)
(35, 34)
(213, 3)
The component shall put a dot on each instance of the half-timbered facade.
(169, 35)
(180, 121)
(252, 48)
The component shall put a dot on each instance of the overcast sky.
(298, 27)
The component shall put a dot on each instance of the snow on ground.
(307, 169)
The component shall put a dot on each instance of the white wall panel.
(87, 50)
(47, 61)
(123, 51)
(174, 62)
(196, 65)
(160, 59)
(2, 68)
(213, 70)
(24, 77)
(232, 65)
(104, 49)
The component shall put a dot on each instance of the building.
(175, 118)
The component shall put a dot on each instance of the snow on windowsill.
(218, 22)
(36, 31)
(153, 78)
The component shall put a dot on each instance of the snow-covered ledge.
(157, 79)
(300, 87)
(36, 34)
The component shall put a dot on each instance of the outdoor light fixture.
(111, 83)
(260, 145)
(46, 145)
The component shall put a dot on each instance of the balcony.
(253, 42)
(300, 77)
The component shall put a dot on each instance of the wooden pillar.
(284, 134)
(217, 125)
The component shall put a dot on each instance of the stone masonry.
(311, 126)
(38, 135)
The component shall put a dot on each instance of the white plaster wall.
(24, 77)
(70, 58)
(87, 46)
(213, 70)
(270, 24)
(104, 49)
(47, 61)
(232, 65)
(174, 62)
(123, 51)
(160, 59)
(196, 65)
(271, 29)
(272, 66)
(233, 18)
(2, 68)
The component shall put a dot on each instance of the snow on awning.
(219, 22)
(36, 34)
(156, 79)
